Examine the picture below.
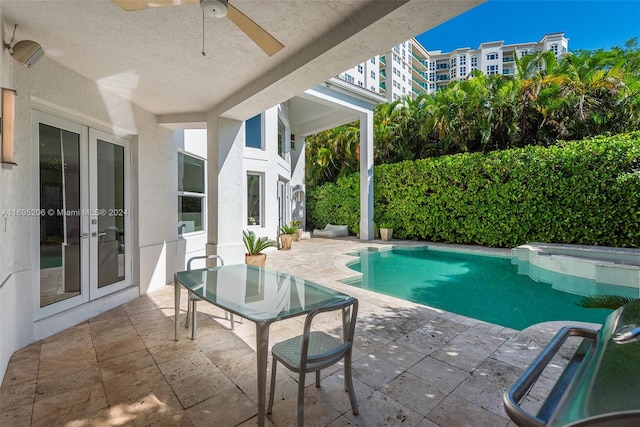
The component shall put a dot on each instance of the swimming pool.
(483, 287)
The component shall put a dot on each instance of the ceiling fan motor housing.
(214, 8)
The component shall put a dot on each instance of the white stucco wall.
(273, 167)
(52, 88)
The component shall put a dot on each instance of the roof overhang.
(153, 57)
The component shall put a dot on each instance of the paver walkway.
(413, 365)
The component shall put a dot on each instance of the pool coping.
(605, 265)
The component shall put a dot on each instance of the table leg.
(176, 293)
(262, 354)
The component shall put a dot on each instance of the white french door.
(109, 224)
(84, 249)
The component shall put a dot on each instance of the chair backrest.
(218, 257)
(330, 356)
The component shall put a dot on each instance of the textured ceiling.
(153, 56)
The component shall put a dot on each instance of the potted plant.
(286, 236)
(254, 246)
(386, 231)
(298, 234)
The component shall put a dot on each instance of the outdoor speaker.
(27, 52)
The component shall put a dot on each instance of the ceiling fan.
(217, 9)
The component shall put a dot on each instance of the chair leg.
(194, 315)
(272, 387)
(231, 318)
(348, 383)
(186, 324)
(301, 399)
(317, 379)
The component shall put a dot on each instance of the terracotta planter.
(386, 233)
(298, 235)
(258, 260)
(285, 241)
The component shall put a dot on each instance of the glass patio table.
(259, 295)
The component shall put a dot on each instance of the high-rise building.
(409, 69)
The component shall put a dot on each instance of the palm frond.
(612, 302)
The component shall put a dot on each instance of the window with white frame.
(373, 74)
(463, 60)
(360, 69)
(463, 71)
(191, 193)
(373, 60)
(554, 48)
(474, 61)
(492, 56)
(492, 69)
(254, 198)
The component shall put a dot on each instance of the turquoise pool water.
(483, 287)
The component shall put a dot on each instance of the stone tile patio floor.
(413, 365)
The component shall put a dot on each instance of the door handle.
(85, 235)
(94, 234)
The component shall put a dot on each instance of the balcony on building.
(422, 62)
(417, 74)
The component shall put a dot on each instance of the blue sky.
(588, 24)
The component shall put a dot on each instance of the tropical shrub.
(579, 192)
(288, 229)
(255, 245)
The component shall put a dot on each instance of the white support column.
(225, 142)
(366, 175)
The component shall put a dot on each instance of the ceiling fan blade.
(263, 39)
(129, 5)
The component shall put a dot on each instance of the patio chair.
(194, 298)
(313, 351)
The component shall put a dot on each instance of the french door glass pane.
(60, 225)
(110, 213)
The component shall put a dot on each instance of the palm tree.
(386, 129)
(587, 88)
(537, 98)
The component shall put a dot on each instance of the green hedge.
(580, 192)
